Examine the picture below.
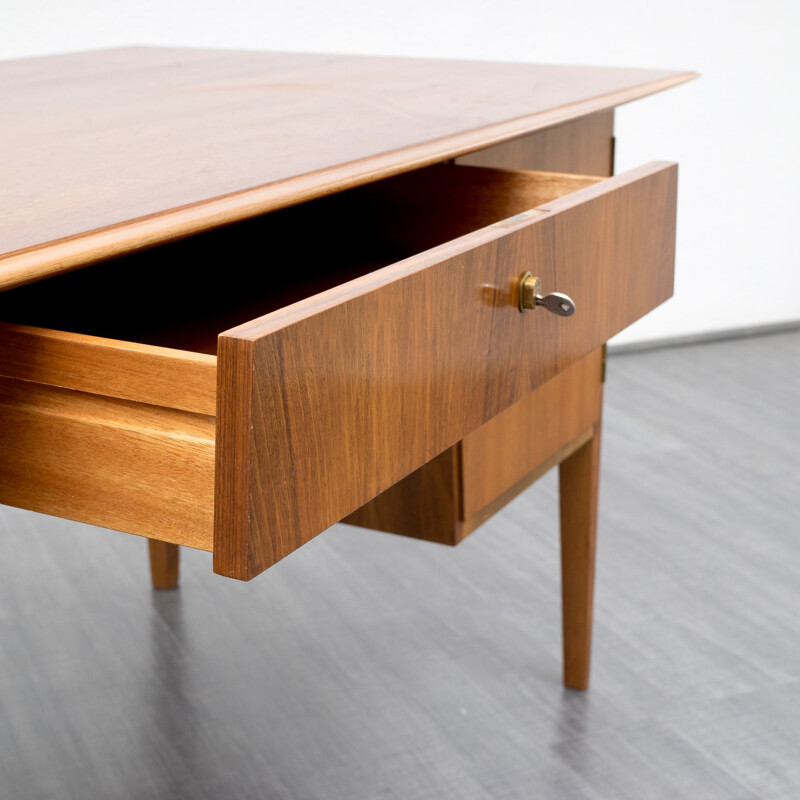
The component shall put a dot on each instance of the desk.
(249, 295)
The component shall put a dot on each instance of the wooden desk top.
(110, 151)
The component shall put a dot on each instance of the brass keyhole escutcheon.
(530, 296)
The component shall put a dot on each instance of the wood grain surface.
(121, 465)
(372, 379)
(498, 455)
(583, 146)
(579, 478)
(451, 495)
(108, 367)
(164, 564)
(427, 504)
(111, 151)
(187, 313)
(509, 452)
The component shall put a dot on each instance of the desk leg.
(578, 482)
(164, 561)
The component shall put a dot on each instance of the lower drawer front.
(452, 495)
(324, 403)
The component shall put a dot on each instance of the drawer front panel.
(327, 403)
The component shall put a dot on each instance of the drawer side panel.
(125, 370)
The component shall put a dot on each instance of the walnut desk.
(249, 295)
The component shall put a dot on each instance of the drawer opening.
(114, 371)
(181, 295)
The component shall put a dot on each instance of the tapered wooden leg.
(164, 561)
(578, 485)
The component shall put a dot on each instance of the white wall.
(735, 131)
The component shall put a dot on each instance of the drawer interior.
(181, 295)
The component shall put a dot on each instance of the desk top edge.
(384, 122)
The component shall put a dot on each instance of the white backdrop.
(735, 132)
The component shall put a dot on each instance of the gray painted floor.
(369, 666)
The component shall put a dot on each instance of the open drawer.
(364, 333)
